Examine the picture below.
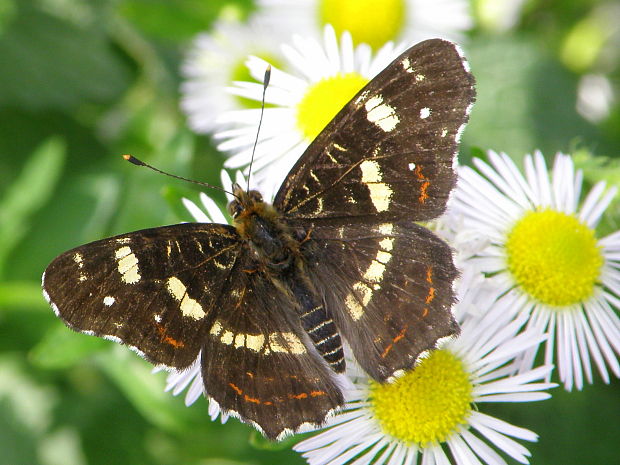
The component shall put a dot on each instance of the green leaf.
(526, 99)
(29, 192)
(22, 295)
(63, 348)
(177, 19)
(55, 64)
(145, 390)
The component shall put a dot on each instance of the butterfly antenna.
(135, 161)
(260, 121)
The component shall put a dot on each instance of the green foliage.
(84, 81)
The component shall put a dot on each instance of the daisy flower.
(431, 415)
(216, 59)
(371, 22)
(545, 256)
(328, 75)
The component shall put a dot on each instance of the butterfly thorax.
(260, 226)
(278, 255)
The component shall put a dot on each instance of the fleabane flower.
(371, 22)
(545, 255)
(327, 75)
(433, 414)
(213, 61)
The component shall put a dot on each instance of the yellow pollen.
(554, 257)
(368, 21)
(324, 99)
(427, 404)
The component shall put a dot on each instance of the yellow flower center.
(427, 404)
(368, 21)
(554, 257)
(240, 72)
(324, 99)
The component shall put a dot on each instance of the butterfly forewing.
(389, 152)
(154, 289)
(259, 364)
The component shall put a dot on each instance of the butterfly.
(339, 256)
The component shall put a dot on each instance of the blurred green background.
(84, 81)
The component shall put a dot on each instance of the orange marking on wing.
(429, 275)
(419, 174)
(167, 339)
(424, 188)
(398, 337)
(425, 312)
(303, 395)
(235, 388)
(423, 192)
(267, 403)
(431, 295)
(254, 400)
(251, 375)
(318, 393)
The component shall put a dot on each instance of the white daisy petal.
(491, 204)
(368, 439)
(283, 135)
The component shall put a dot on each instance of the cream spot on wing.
(444, 132)
(239, 341)
(227, 338)
(286, 342)
(371, 171)
(254, 342)
(419, 77)
(221, 266)
(189, 307)
(77, 258)
(380, 193)
(364, 291)
(175, 288)
(425, 112)
(353, 304)
(108, 300)
(157, 318)
(216, 329)
(381, 114)
(386, 228)
(375, 271)
(123, 240)
(127, 265)
(411, 166)
(407, 65)
(354, 308)
(387, 244)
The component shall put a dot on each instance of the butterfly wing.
(385, 161)
(258, 363)
(389, 289)
(389, 152)
(154, 289)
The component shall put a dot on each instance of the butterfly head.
(247, 204)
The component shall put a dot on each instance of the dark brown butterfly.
(339, 256)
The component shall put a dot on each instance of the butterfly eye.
(234, 208)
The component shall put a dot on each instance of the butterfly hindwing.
(389, 152)
(388, 287)
(259, 364)
(153, 290)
